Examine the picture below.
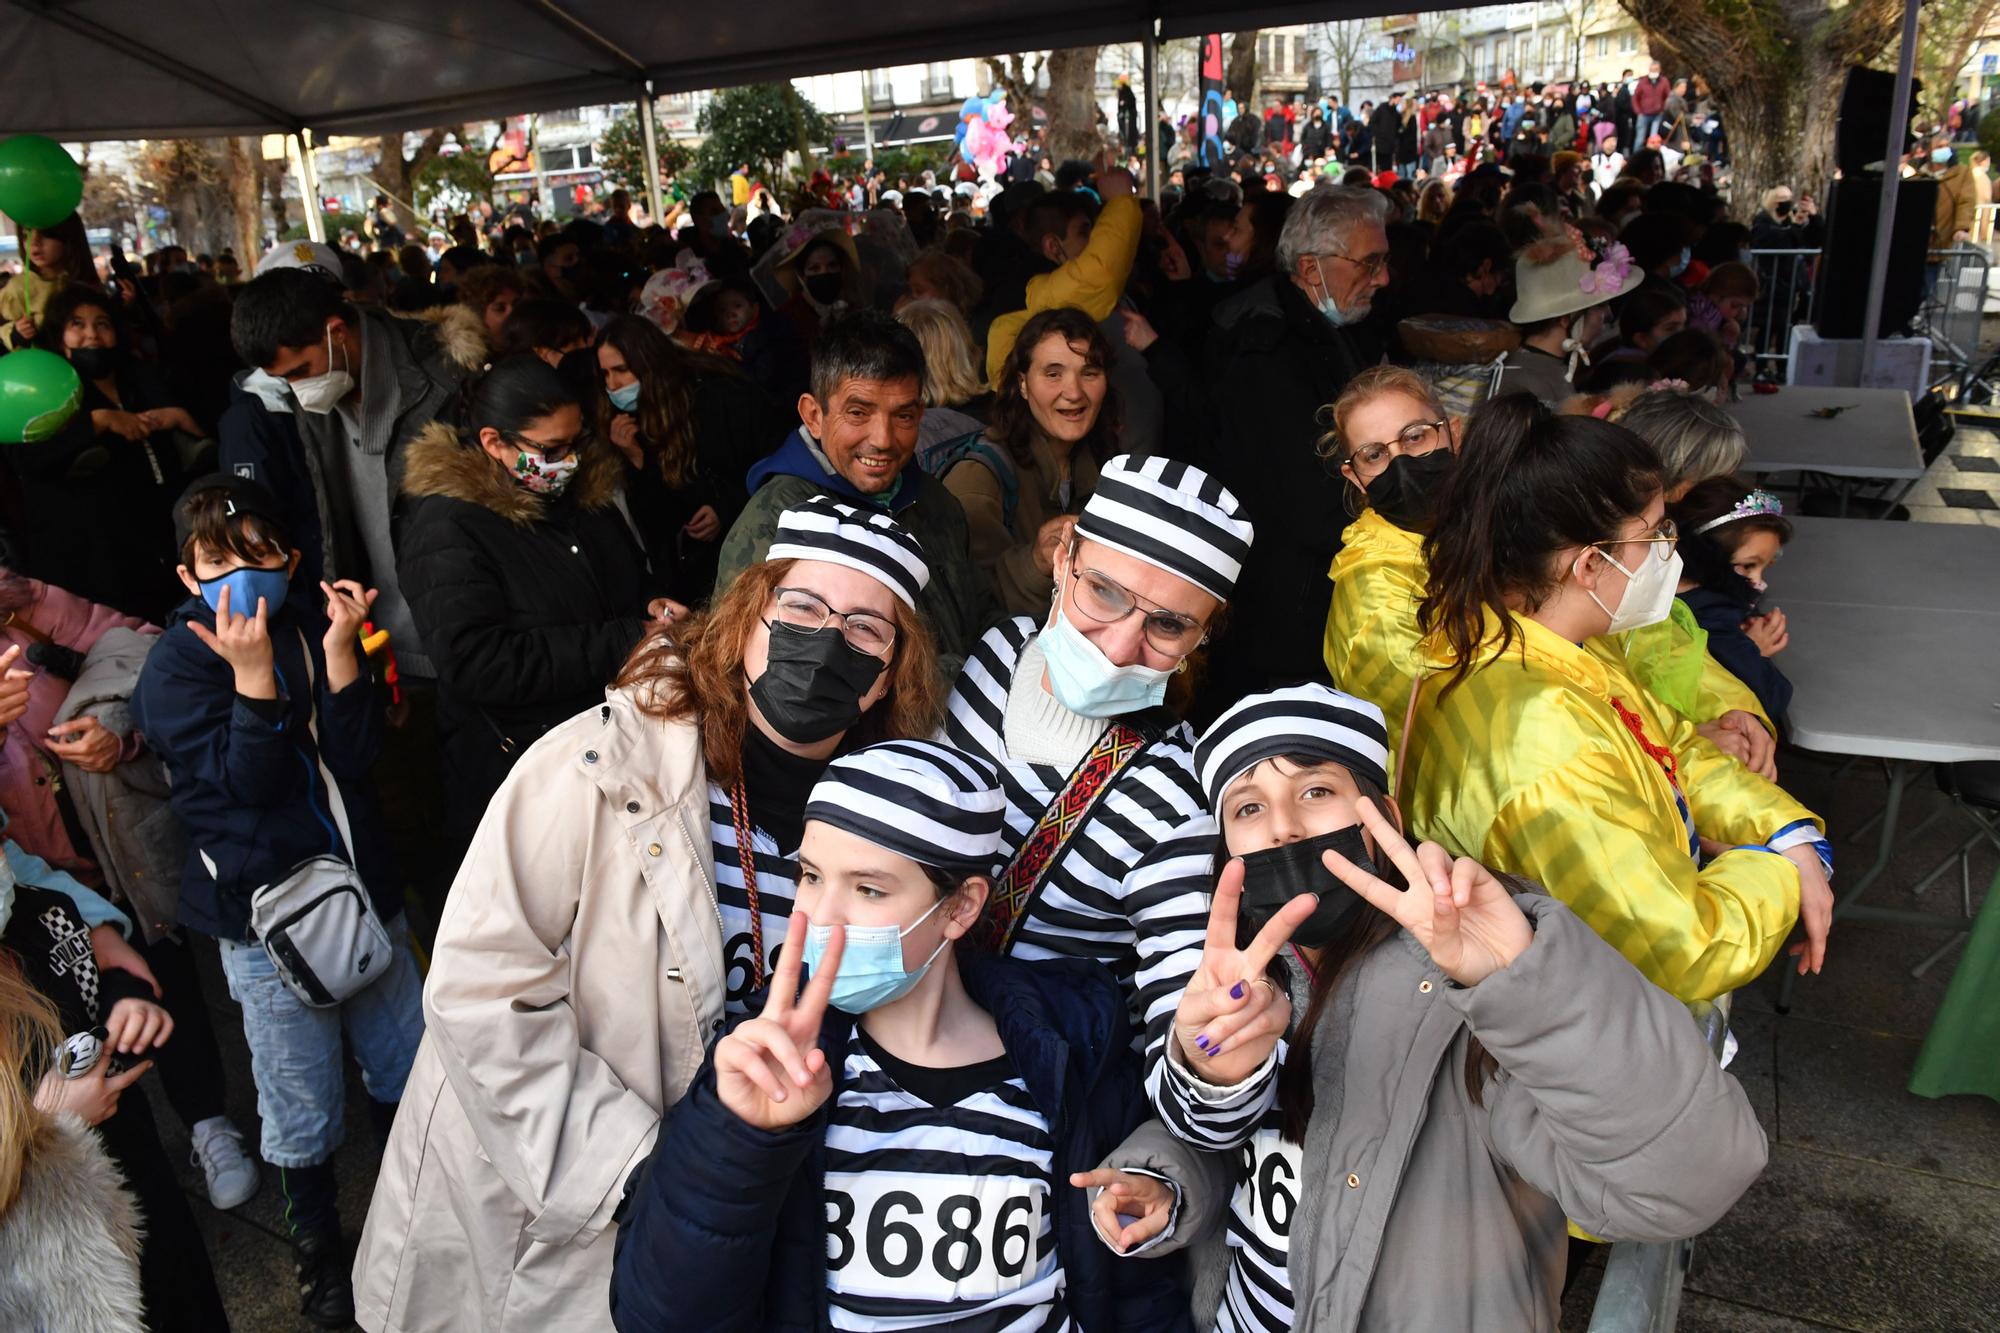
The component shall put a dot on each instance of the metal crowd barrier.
(1641, 1291)
(1954, 303)
(1785, 295)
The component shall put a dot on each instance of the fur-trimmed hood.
(460, 334)
(441, 463)
(69, 1245)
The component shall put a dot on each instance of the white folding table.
(1874, 437)
(1894, 655)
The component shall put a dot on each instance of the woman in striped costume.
(826, 637)
(894, 1147)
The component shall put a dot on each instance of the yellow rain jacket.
(1527, 767)
(1371, 646)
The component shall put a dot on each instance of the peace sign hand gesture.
(1231, 1015)
(760, 1073)
(1467, 922)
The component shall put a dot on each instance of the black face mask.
(1276, 875)
(1406, 491)
(94, 363)
(824, 288)
(812, 683)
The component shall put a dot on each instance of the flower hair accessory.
(1609, 276)
(1758, 502)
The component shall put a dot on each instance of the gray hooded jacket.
(1422, 1208)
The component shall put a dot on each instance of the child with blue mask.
(895, 1140)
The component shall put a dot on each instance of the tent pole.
(1149, 118)
(649, 136)
(309, 185)
(867, 119)
(1885, 219)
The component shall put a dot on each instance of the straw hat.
(1568, 278)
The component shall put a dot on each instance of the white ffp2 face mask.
(319, 393)
(1649, 592)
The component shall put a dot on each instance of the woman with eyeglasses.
(1395, 447)
(1109, 841)
(631, 883)
(1538, 755)
(523, 577)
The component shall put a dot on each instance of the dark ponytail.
(1528, 484)
(517, 390)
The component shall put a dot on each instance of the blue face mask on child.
(626, 397)
(245, 587)
(871, 964)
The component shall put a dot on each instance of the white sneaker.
(231, 1172)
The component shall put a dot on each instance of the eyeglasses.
(1414, 440)
(553, 451)
(1661, 539)
(808, 613)
(1107, 601)
(1371, 267)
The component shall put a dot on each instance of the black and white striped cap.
(1170, 515)
(872, 543)
(935, 805)
(1315, 720)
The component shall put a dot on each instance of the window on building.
(1628, 42)
(1548, 52)
(1603, 47)
(1298, 56)
(1264, 51)
(880, 89)
(937, 79)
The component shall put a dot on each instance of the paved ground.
(1880, 1212)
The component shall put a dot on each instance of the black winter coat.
(527, 607)
(1281, 362)
(724, 1228)
(736, 423)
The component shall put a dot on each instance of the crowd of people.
(1020, 756)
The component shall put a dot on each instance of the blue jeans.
(295, 1049)
(1647, 126)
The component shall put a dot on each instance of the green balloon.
(39, 393)
(40, 184)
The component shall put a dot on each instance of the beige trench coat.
(576, 980)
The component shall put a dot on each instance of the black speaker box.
(1862, 130)
(1853, 207)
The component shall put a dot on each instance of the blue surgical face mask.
(871, 964)
(1680, 265)
(626, 397)
(1330, 308)
(1088, 683)
(245, 587)
(1941, 156)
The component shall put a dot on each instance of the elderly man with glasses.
(1281, 351)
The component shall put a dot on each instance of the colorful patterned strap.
(1014, 891)
(746, 857)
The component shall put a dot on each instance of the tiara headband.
(1750, 506)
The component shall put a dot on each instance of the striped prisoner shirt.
(939, 1200)
(1132, 889)
(776, 883)
(1245, 1120)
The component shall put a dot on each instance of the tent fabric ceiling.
(115, 69)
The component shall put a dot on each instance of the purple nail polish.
(1201, 1042)
(1236, 991)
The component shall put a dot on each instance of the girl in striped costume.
(893, 1147)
